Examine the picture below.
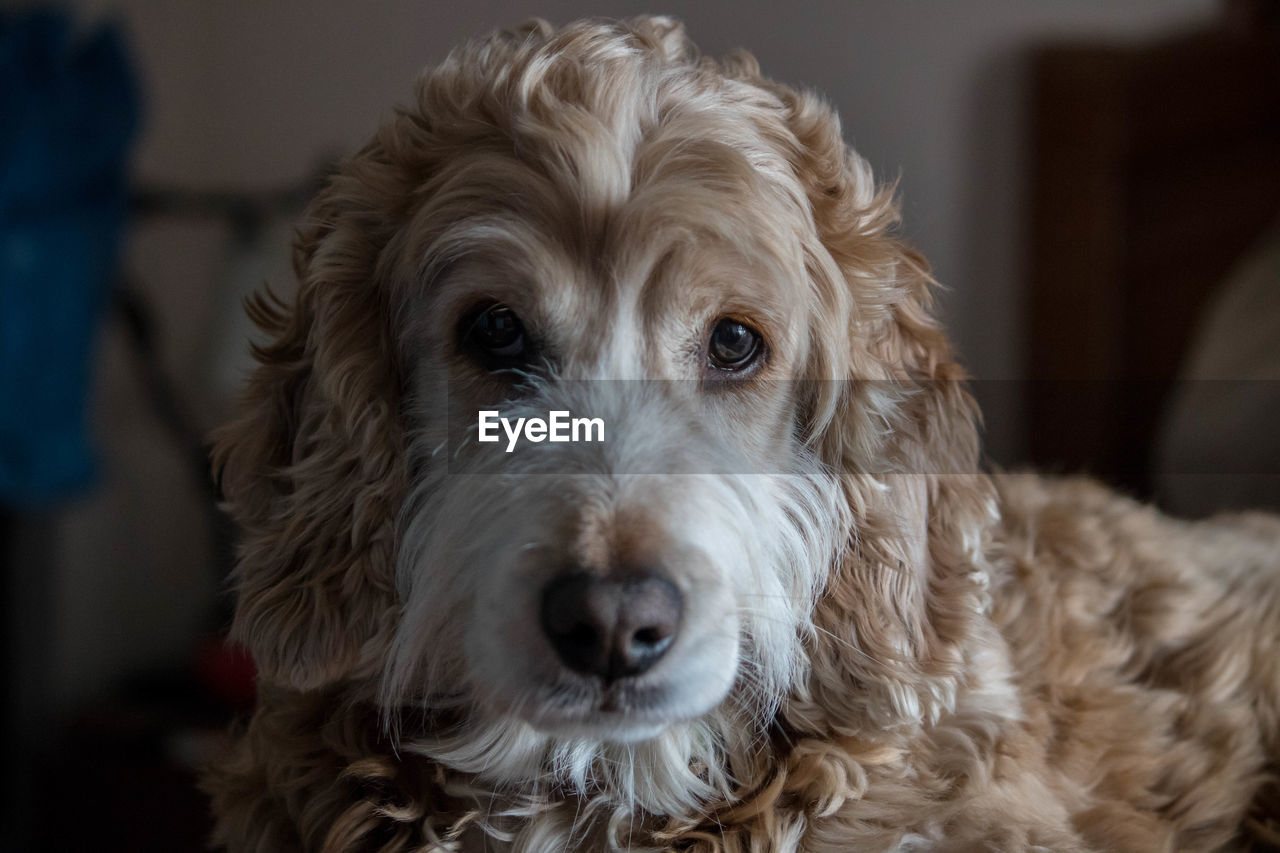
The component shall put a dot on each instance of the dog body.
(778, 607)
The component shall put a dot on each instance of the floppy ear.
(313, 468)
(901, 429)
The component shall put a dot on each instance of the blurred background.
(1095, 181)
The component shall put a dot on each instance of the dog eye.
(497, 333)
(733, 345)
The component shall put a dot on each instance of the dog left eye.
(497, 333)
(733, 345)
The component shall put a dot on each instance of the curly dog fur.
(881, 647)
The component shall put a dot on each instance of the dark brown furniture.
(1155, 167)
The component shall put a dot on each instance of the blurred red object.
(226, 671)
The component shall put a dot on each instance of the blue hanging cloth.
(69, 108)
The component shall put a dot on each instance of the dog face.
(593, 221)
(649, 273)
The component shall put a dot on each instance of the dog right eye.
(734, 346)
(497, 336)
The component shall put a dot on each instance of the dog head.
(779, 522)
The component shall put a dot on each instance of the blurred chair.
(1156, 166)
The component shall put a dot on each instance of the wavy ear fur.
(312, 469)
(901, 428)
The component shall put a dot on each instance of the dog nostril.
(582, 635)
(650, 636)
(610, 628)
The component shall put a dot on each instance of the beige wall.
(250, 94)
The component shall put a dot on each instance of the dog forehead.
(711, 210)
(704, 227)
(638, 200)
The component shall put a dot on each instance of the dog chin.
(609, 718)
(602, 726)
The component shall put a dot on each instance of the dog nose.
(610, 627)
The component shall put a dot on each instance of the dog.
(778, 605)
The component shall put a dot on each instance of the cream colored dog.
(777, 606)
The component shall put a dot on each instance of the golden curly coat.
(881, 647)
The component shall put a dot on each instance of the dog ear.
(895, 419)
(313, 468)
